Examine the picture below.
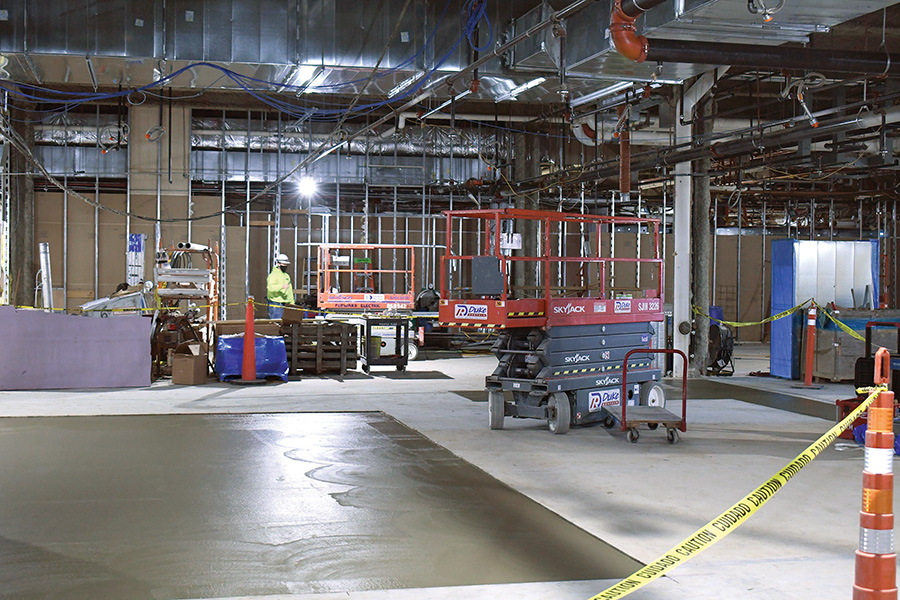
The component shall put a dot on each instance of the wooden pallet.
(320, 346)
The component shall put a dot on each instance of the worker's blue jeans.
(276, 309)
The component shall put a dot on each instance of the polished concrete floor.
(640, 498)
(189, 506)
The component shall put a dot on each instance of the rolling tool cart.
(566, 323)
(650, 411)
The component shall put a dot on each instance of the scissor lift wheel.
(496, 408)
(560, 413)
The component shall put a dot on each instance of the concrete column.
(701, 246)
(21, 219)
(681, 283)
(681, 272)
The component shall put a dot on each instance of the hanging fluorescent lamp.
(405, 84)
(511, 94)
(603, 93)
(456, 98)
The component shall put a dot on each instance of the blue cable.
(476, 10)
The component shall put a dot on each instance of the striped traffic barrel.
(876, 561)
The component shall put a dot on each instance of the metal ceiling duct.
(134, 42)
(638, 48)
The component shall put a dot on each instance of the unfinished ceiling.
(275, 77)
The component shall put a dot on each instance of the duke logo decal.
(623, 306)
(601, 398)
(471, 311)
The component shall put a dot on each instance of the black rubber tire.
(496, 409)
(632, 435)
(560, 416)
(401, 367)
(672, 435)
(365, 368)
(652, 426)
(652, 394)
(412, 351)
(609, 422)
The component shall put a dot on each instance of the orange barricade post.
(810, 344)
(248, 371)
(876, 561)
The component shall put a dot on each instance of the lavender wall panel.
(52, 351)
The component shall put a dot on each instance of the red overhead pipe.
(624, 35)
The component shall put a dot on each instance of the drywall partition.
(42, 350)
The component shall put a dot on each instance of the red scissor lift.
(551, 282)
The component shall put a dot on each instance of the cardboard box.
(190, 364)
(294, 313)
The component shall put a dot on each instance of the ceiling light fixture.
(602, 93)
(303, 77)
(511, 94)
(405, 84)
(445, 104)
(316, 80)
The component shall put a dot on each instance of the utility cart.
(571, 296)
(651, 410)
(375, 351)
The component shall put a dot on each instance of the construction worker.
(279, 290)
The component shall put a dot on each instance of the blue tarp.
(784, 333)
(271, 356)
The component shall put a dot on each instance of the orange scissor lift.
(353, 279)
(567, 323)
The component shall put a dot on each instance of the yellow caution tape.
(843, 326)
(783, 314)
(780, 315)
(735, 516)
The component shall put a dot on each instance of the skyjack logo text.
(578, 358)
(568, 309)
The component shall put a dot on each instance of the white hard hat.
(282, 259)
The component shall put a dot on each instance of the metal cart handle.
(623, 400)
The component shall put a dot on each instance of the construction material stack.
(571, 294)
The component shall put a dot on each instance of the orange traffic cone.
(248, 369)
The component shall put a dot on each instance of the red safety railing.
(683, 426)
(499, 233)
